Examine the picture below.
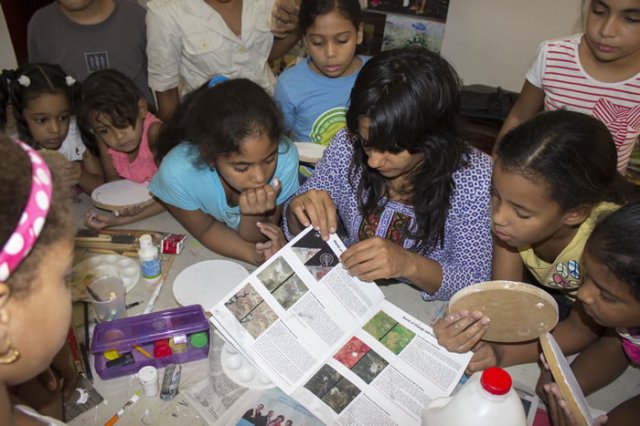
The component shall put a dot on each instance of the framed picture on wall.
(402, 31)
(432, 9)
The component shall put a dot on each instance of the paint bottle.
(149, 260)
(487, 399)
(148, 377)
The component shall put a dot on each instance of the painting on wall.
(432, 9)
(402, 31)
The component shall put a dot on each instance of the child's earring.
(8, 354)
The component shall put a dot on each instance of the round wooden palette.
(567, 383)
(121, 193)
(518, 311)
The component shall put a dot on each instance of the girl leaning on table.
(225, 169)
(36, 236)
(412, 195)
(118, 128)
(604, 324)
(553, 176)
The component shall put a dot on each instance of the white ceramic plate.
(120, 193)
(103, 265)
(241, 371)
(206, 283)
(309, 152)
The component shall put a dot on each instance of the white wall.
(7, 55)
(488, 41)
(493, 41)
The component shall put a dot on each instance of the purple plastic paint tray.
(186, 328)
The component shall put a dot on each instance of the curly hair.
(411, 97)
(217, 119)
(43, 79)
(15, 185)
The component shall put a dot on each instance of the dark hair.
(217, 119)
(4, 98)
(15, 185)
(42, 79)
(573, 154)
(615, 242)
(111, 93)
(411, 97)
(311, 9)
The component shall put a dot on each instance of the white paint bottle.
(487, 399)
(148, 377)
(149, 260)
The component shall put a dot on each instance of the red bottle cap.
(495, 381)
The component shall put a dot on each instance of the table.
(154, 411)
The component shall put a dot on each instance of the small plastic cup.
(111, 292)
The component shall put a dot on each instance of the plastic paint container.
(199, 340)
(148, 377)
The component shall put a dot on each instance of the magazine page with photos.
(385, 374)
(293, 311)
(268, 407)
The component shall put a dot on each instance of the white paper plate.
(241, 371)
(103, 265)
(309, 152)
(206, 283)
(120, 193)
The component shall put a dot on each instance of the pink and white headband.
(33, 217)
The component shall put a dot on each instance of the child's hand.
(559, 412)
(461, 331)
(98, 221)
(484, 356)
(545, 379)
(261, 200)
(71, 173)
(276, 241)
(375, 258)
(316, 208)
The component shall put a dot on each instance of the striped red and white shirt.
(558, 72)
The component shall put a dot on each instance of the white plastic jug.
(487, 399)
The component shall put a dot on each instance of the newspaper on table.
(332, 342)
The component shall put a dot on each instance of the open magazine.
(332, 342)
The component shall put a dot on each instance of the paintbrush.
(93, 294)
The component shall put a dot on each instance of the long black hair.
(411, 97)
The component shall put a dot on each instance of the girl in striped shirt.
(596, 72)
